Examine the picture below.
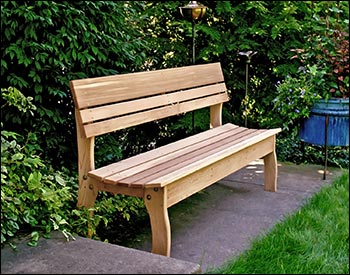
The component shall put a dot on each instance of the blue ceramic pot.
(312, 129)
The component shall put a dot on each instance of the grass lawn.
(314, 240)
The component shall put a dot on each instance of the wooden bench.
(168, 174)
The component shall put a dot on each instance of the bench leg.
(155, 201)
(270, 172)
(87, 195)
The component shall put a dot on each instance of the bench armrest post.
(216, 115)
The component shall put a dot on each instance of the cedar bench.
(168, 174)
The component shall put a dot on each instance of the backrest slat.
(109, 103)
(106, 126)
(115, 88)
(123, 108)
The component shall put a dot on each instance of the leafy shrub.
(296, 95)
(33, 195)
(36, 199)
(45, 44)
(327, 48)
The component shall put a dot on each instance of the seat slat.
(190, 158)
(221, 154)
(174, 162)
(103, 172)
(137, 172)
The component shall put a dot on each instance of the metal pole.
(193, 60)
(193, 11)
(326, 146)
(249, 55)
(246, 93)
(193, 43)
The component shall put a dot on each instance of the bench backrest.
(109, 103)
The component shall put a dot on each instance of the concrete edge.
(85, 256)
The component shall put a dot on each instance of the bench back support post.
(86, 162)
(216, 115)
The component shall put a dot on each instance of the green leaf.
(74, 54)
(17, 156)
(34, 180)
(60, 180)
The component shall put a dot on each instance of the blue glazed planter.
(312, 129)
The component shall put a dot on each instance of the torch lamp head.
(193, 11)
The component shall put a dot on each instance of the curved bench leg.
(155, 201)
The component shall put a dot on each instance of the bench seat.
(167, 164)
